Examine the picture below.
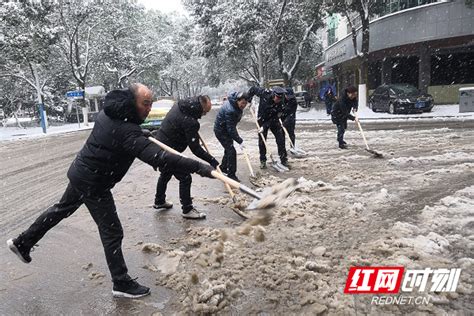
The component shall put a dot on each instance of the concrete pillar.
(387, 70)
(424, 68)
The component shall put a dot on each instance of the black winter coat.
(341, 110)
(180, 128)
(227, 119)
(115, 141)
(289, 109)
(268, 111)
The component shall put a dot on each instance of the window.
(392, 6)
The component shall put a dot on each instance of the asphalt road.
(58, 281)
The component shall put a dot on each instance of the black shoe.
(343, 142)
(233, 177)
(129, 289)
(342, 146)
(263, 165)
(20, 250)
(160, 206)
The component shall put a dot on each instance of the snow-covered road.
(412, 208)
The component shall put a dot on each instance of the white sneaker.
(194, 214)
(165, 206)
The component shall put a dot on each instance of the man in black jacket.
(270, 109)
(341, 112)
(289, 114)
(225, 129)
(179, 130)
(115, 141)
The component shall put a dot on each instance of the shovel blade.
(280, 167)
(376, 154)
(275, 195)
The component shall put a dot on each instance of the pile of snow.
(438, 111)
(450, 156)
(14, 133)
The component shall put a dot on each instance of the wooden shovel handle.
(361, 131)
(248, 163)
(229, 189)
(166, 147)
(214, 173)
(286, 132)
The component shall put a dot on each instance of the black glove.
(214, 163)
(205, 170)
(146, 132)
(351, 117)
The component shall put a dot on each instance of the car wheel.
(391, 108)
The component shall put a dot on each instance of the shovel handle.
(229, 189)
(286, 133)
(261, 136)
(361, 131)
(166, 147)
(247, 159)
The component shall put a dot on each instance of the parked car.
(300, 98)
(400, 98)
(159, 109)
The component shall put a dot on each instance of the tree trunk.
(260, 65)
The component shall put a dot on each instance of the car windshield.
(162, 104)
(404, 89)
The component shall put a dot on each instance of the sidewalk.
(15, 133)
(439, 112)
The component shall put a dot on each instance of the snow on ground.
(438, 112)
(413, 208)
(14, 133)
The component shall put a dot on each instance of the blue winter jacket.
(228, 117)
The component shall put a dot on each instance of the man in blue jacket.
(114, 143)
(270, 109)
(225, 129)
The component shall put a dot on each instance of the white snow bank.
(439, 111)
(14, 133)
(450, 156)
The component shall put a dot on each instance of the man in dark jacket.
(329, 99)
(270, 109)
(341, 112)
(307, 99)
(289, 114)
(179, 130)
(225, 129)
(115, 141)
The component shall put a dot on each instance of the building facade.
(429, 44)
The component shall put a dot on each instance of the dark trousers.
(229, 161)
(328, 108)
(102, 208)
(276, 129)
(290, 124)
(341, 129)
(185, 181)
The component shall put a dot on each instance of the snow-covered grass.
(449, 111)
(14, 133)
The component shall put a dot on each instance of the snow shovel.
(297, 152)
(373, 152)
(275, 164)
(247, 159)
(271, 198)
(229, 189)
